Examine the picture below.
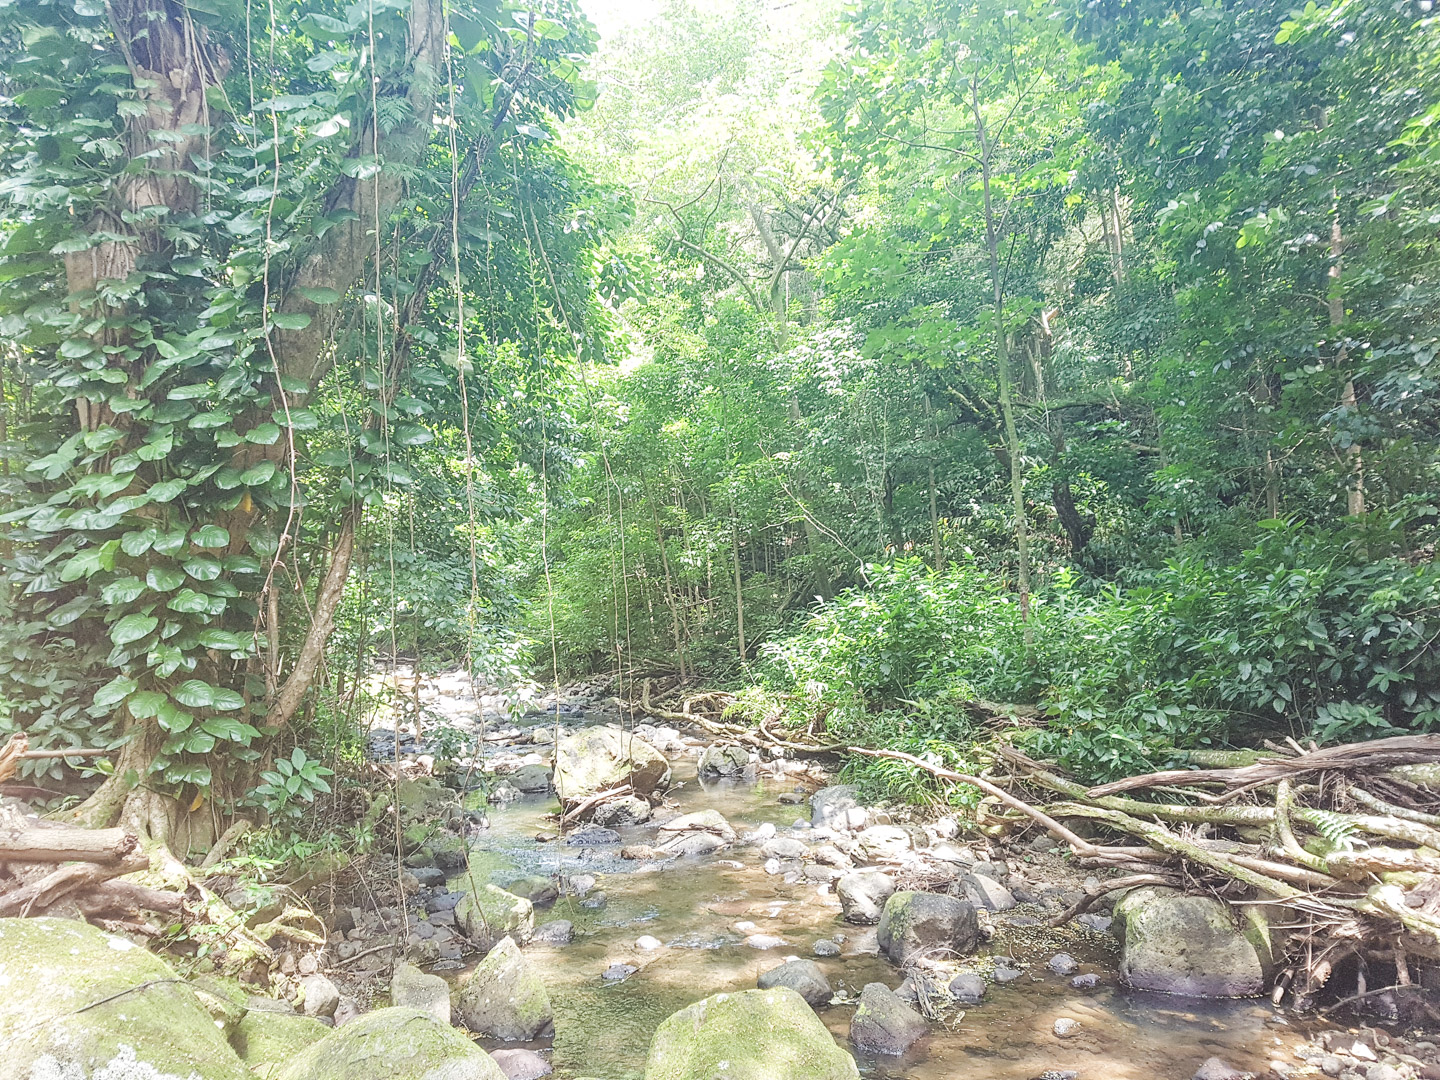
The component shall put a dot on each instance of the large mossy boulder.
(1190, 945)
(76, 1001)
(599, 758)
(504, 997)
(918, 924)
(267, 1041)
(487, 913)
(751, 1035)
(393, 1044)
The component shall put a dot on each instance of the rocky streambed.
(730, 917)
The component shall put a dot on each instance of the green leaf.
(132, 628)
(319, 296)
(263, 434)
(210, 536)
(291, 320)
(122, 590)
(173, 719)
(195, 694)
(258, 473)
(146, 703)
(136, 544)
(166, 490)
(164, 578)
(190, 602)
(202, 568)
(224, 640)
(114, 691)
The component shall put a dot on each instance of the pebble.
(618, 972)
(772, 866)
(594, 903)
(764, 941)
(1362, 1051)
(1065, 1027)
(1331, 1065)
(649, 944)
(1085, 982)
(825, 947)
(1006, 974)
(1091, 921)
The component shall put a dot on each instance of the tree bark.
(1002, 355)
(312, 650)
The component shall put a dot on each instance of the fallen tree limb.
(1096, 890)
(66, 845)
(55, 886)
(581, 808)
(1078, 844)
(1380, 753)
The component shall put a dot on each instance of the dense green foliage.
(1076, 356)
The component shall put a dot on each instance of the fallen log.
(1381, 753)
(68, 879)
(65, 844)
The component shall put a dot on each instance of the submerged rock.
(862, 896)
(1179, 944)
(398, 1044)
(540, 891)
(412, 988)
(883, 1024)
(968, 989)
(505, 998)
(150, 1021)
(802, 976)
(926, 924)
(751, 1035)
(695, 834)
(554, 932)
(599, 758)
(521, 1064)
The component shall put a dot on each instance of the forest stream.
(702, 913)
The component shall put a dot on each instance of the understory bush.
(1306, 635)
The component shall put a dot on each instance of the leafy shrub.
(1305, 634)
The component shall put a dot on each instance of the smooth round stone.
(825, 947)
(1065, 1027)
(764, 941)
(618, 972)
(649, 944)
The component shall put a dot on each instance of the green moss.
(224, 999)
(504, 997)
(54, 976)
(752, 1035)
(266, 1041)
(398, 1044)
(487, 913)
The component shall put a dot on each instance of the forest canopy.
(870, 360)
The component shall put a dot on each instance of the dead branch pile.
(1346, 837)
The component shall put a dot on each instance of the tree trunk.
(1002, 355)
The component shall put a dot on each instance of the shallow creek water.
(692, 905)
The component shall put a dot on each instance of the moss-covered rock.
(752, 1035)
(1179, 944)
(488, 913)
(393, 1044)
(603, 757)
(75, 998)
(423, 799)
(267, 1041)
(505, 998)
(224, 999)
(927, 924)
